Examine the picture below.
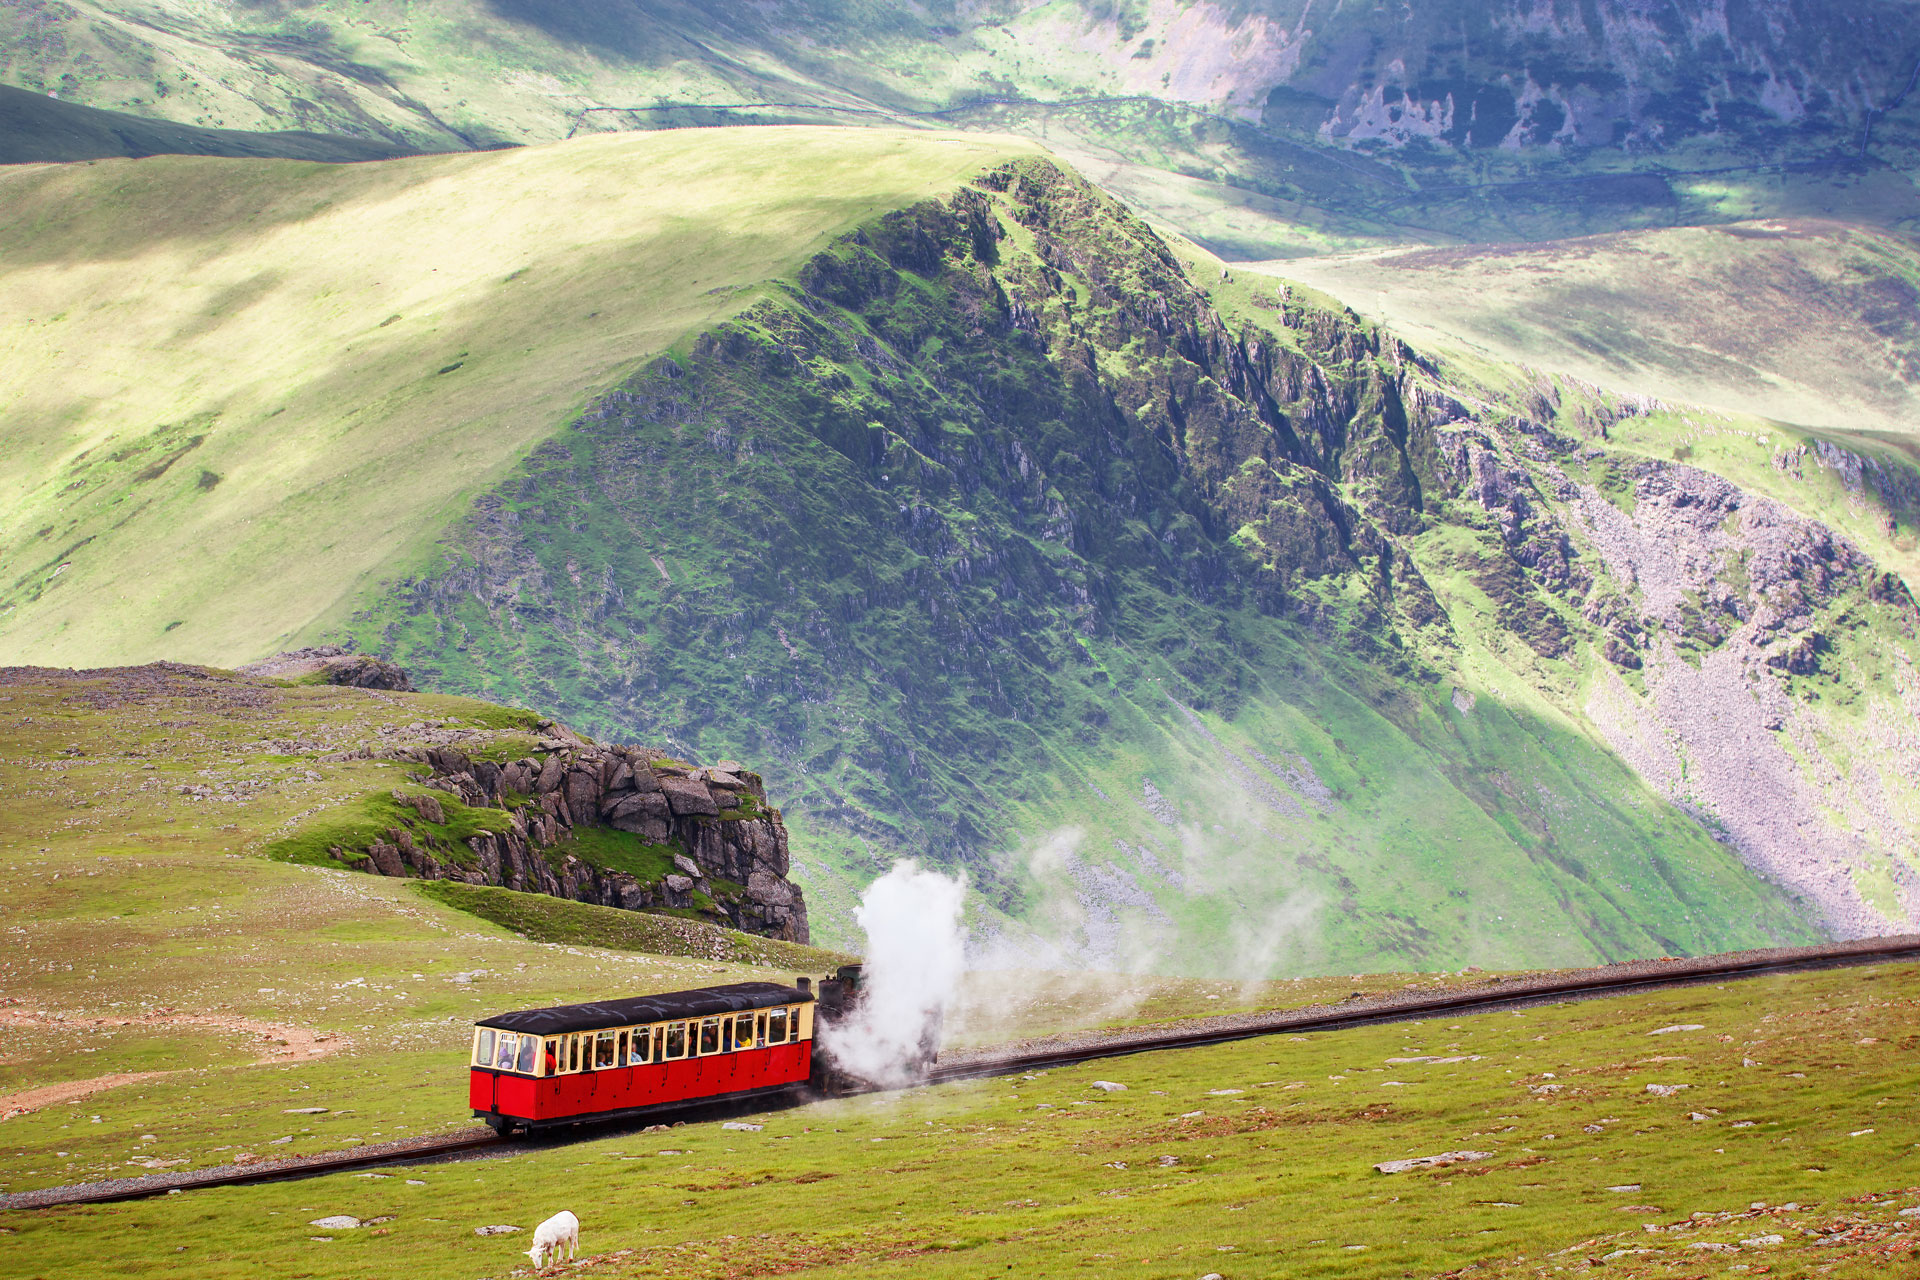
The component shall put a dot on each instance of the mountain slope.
(1807, 321)
(1207, 626)
(1517, 119)
(235, 392)
(36, 128)
(994, 522)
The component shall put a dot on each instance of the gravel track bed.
(217, 1175)
(1541, 988)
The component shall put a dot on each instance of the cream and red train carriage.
(577, 1062)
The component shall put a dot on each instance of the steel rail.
(1582, 985)
(1525, 993)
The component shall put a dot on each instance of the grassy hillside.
(37, 128)
(227, 413)
(154, 970)
(1808, 322)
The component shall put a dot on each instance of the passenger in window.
(553, 1058)
(524, 1064)
(503, 1059)
(710, 1035)
(637, 1049)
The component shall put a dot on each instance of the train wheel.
(500, 1126)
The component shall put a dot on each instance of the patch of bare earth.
(279, 1043)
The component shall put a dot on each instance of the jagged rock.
(689, 797)
(578, 787)
(335, 665)
(385, 858)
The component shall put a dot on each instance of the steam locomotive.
(630, 1058)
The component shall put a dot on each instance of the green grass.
(244, 334)
(1043, 1175)
(540, 918)
(353, 826)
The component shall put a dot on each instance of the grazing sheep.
(561, 1229)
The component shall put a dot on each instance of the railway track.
(1492, 996)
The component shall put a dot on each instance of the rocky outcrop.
(722, 851)
(332, 664)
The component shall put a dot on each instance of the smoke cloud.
(915, 957)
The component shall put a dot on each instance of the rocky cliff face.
(727, 850)
(1000, 490)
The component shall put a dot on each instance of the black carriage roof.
(664, 1007)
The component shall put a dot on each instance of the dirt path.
(278, 1042)
(19, 1104)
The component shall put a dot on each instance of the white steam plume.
(916, 954)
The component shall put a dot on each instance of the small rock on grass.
(500, 1230)
(1109, 1086)
(742, 1127)
(304, 1111)
(338, 1222)
(1432, 1162)
(1685, 1026)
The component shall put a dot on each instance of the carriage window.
(524, 1064)
(677, 1040)
(777, 1027)
(552, 1064)
(503, 1051)
(763, 1026)
(573, 1053)
(637, 1050)
(710, 1035)
(620, 1051)
(483, 1048)
(743, 1031)
(603, 1052)
(659, 1043)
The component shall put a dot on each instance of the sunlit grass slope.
(233, 392)
(1801, 320)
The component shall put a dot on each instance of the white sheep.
(561, 1229)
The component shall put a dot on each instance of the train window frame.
(483, 1038)
(760, 1028)
(709, 1036)
(638, 1046)
(778, 1024)
(743, 1031)
(676, 1031)
(528, 1058)
(506, 1047)
(603, 1055)
(573, 1054)
(551, 1058)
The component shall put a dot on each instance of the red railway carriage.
(614, 1058)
